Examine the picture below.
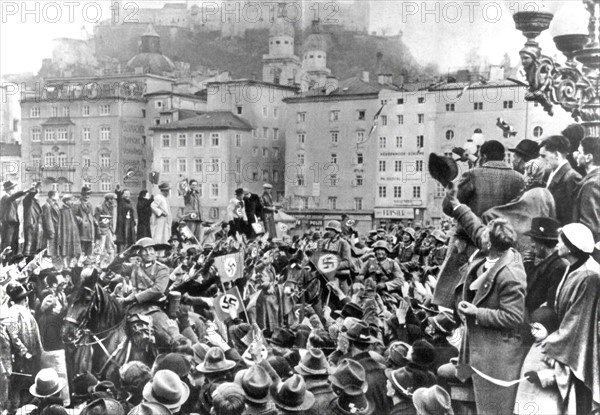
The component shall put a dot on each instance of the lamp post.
(575, 86)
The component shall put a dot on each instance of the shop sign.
(394, 213)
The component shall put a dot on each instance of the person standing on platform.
(144, 214)
(84, 215)
(32, 222)
(269, 210)
(50, 219)
(9, 216)
(125, 230)
(162, 219)
(236, 214)
(104, 217)
(192, 212)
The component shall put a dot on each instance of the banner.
(327, 263)
(281, 229)
(223, 304)
(230, 267)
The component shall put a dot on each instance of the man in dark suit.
(563, 179)
(9, 216)
(50, 219)
(586, 206)
(254, 211)
(543, 278)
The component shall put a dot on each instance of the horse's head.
(76, 317)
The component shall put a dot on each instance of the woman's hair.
(143, 194)
(502, 234)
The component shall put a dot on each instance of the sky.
(442, 32)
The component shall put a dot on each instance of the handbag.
(258, 227)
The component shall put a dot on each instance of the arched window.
(62, 160)
(449, 135)
(50, 159)
(538, 131)
(105, 160)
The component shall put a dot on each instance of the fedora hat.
(350, 376)
(256, 383)
(9, 185)
(215, 362)
(579, 237)
(282, 337)
(348, 310)
(149, 243)
(402, 381)
(16, 292)
(86, 190)
(443, 169)
(47, 383)
(381, 245)
(150, 408)
(432, 401)
(164, 186)
(351, 404)
(292, 395)
(443, 322)
(439, 236)
(166, 388)
(175, 362)
(267, 186)
(398, 352)
(359, 333)
(334, 225)
(423, 353)
(543, 228)
(313, 363)
(104, 406)
(529, 149)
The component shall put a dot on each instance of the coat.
(84, 215)
(144, 215)
(161, 219)
(104, 218)
(543, 280)
(321, 389)
(562, 187)
(493, 342)
(32, 225)
(341, 247)
(67, 240)
(387, 272)
(586, 206)
(375, 377)
(268, 214)
(50, 219)
(125, 230)
(25, 335)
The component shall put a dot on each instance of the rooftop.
(212, 120)
(351, 87)
(58, 121)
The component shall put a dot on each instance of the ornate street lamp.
(575, 85)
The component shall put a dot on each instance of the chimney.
(331, 84)
(365, 76)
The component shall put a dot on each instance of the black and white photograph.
(300, 207)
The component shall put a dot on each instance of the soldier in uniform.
(149, 279)
(334, 243)
(383, 270)
(438, 252)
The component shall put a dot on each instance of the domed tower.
(314, 55)
(280, 65)
(150, 57)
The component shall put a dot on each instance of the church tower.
(314, 57)
(280, 65)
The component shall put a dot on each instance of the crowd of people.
(137, 313)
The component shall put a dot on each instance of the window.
(508, 158)
(449, 107)
(398, 165)
(301, 117)
(198, 140)
(304, 202)
(381, 165)
(166, 140)
(332, 203)
(361, 115)
(254, 133)
(62, 160)
(182, 166)
(419, 165)
(104, 133)
(382, 191)
(301, 159)
(239, 110)
(400, 101)
(255, 151)
(420, 141)
(538, 131)
(197, 165)
(421, 118)
(384, 120)
(67, 187)
(275, 112)
(85, 111)
(105, 109)
(359, 180)
(400, 119)
(54, 186)
(105, 185)
(359, 158)
(265, 132)
(61, 134)
(87, 134)
(360, 136)
(276, 152)
(334, 116)
(166, 166)
(397, 192)
(157, 121)
(507, 104)
(421, 100)
(334, 180)
(214, 213)
(158, 104)
(399, 142)
(358, 203)
(65, 111)
(478, 106)
(49, 159)
(266, 175)
(440, 190)
(182, 140)
(238, 165)
(334, 137)
(49, 134)
(275, 133)
(265, 111)
(300, 180)
(265, 152)
(333, 158)
(382, 142)
(215, 164)
(449, 135)
(143, 113)
(104, 160)
(36, 160)
(238, 140)
(87, 161)
(214, 139)
(384, 102)
(275, 176)
(301, 138)
(54, 111)
(36, 134)
(416, 192)
(34, 112)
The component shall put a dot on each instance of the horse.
(99, 337)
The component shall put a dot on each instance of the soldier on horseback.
(334, 243)
(384, 271)
(149, 280)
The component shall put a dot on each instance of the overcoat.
(493, 342)
(562, 187)
(67, 239)
(32, 224)
(268, 214)
(144, 215)
(84, 215)
(586, 206)
(50, 218)
(125, 230)
(161, 219)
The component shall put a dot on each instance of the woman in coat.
(125, 230)
(144, 213)
(491, 296)
(161, 220)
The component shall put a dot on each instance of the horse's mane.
(105, 311)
